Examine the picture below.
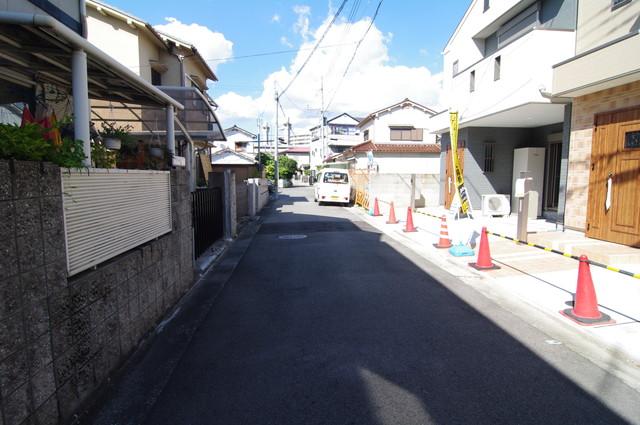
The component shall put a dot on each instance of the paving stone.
(27, 179)
(27, 216)
(50, 180)
(47, 413)
(52, 216)
(10, 296)
(60, 307)
(7, 220)
(39, 353)
(9, 258)
(36, 316)
(54, 245)
(56, 274)
(34, 284)
(68, 400)
(16, 406)
(6, 179)
(30, 252)
(11, 335)
(43, 385)
(13, 372)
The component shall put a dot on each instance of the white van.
(333, 185)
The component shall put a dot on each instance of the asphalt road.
(344, 327)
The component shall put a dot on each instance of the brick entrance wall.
(584, 110)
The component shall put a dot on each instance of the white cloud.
(210, 44)
(302, 23)
(285, 42)
(275, 18)
(373, 82)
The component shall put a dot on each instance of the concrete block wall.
(397, 188)
(61, 337)
(582, 124)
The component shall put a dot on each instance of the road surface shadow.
(341, 328)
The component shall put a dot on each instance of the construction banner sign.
(461, 191)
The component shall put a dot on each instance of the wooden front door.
(613, 212)
(450, 181)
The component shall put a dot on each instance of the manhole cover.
(291, 237)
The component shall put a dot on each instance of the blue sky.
(412, 33)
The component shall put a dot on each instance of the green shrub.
(23, 143)
(27, 143)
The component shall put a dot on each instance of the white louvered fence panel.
(108, 212)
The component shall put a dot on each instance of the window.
(618, 3)
(156, 78)
(335, 177)
(406, 134)
(489, 157)
(455, 68)
(366, 135)
(472, 81)
(486, 5)
(496, 68)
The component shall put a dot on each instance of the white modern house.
(498, 71)
(602, 81)
(334, 137)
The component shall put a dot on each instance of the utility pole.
(277, 171)
(288, 132)
(259, 131)
(266, 128)
(322, 149)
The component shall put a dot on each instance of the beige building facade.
(603, 82)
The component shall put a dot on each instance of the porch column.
(171, 132)
(81, 112)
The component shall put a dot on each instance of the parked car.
(333, 185)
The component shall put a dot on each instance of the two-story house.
(173, 66)
(238, 140)
(497, 76)
(602, 81)
(396, 139)
(333, 137)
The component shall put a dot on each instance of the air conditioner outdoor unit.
(496, 204)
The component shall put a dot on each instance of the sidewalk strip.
(555, 251)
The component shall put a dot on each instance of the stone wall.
(61, 337)
(584, 110)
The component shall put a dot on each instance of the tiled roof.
(397, 147)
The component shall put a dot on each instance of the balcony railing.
(198, 116)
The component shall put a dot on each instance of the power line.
(255, 55)
(355, 52)
(315, 47)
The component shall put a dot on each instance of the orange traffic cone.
(484, 255)
(376, 208)
(392, 215)
(409, 226)
(444, 241)
(585, 306)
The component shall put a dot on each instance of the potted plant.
(114, 135)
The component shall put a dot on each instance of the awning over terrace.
(36, 49)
